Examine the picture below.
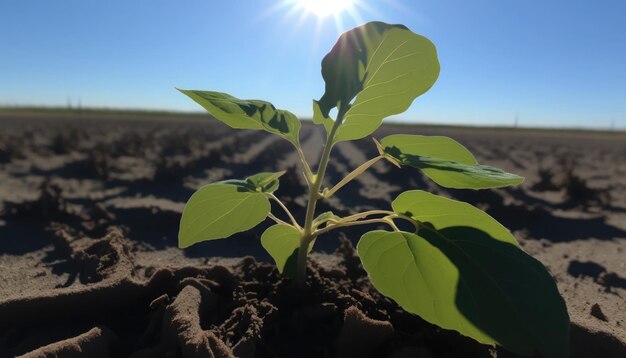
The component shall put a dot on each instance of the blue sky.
(550, 63)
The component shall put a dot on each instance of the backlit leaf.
(319, 118)
(382, 68)
(248, 114)
(325, 217)
(262, 182)
(219, 210)
(442, 212)
(465, 271)
(461, 278)
(282, 242)
(446, 162)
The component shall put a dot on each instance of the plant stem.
(314, 195)
(307, 169)
(353, 174)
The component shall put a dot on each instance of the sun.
(298, 13)
(324, 8)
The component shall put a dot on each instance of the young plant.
(457, 268)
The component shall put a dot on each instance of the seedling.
(457, 267)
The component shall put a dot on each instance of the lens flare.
(324, 8)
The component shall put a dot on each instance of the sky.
(554, 63)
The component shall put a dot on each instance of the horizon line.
(7, 109)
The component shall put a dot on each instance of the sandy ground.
(67, 181)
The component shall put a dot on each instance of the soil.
(89, 212)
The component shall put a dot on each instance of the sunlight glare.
(324, 8)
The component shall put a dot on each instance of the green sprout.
(457, 267)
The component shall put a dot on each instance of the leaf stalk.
(277, 220)
(286, 210)
(351, 176)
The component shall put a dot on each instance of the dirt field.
(89, 212)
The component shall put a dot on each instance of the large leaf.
(383, 68)
(463, 279)
(219, 210)
(465, 271)
(248, 114)
(282, 242)
(442, 212)
(446, 162)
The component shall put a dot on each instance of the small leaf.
(266, 182)
(446, 162)
(282, 242)
(248, 114)
(319, 118)
(324, 218)
(383, 68)
(219, 210)
(262, 182)
(441, 213)
(463, 279)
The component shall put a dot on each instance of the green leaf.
(446, 162)
(441, 213)
(383, 68)
(324, 218)
(465, 271)
(248, 114)
(463, 279)
(319, 118)
(219, 210)
(282, 242)
(262, 182)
